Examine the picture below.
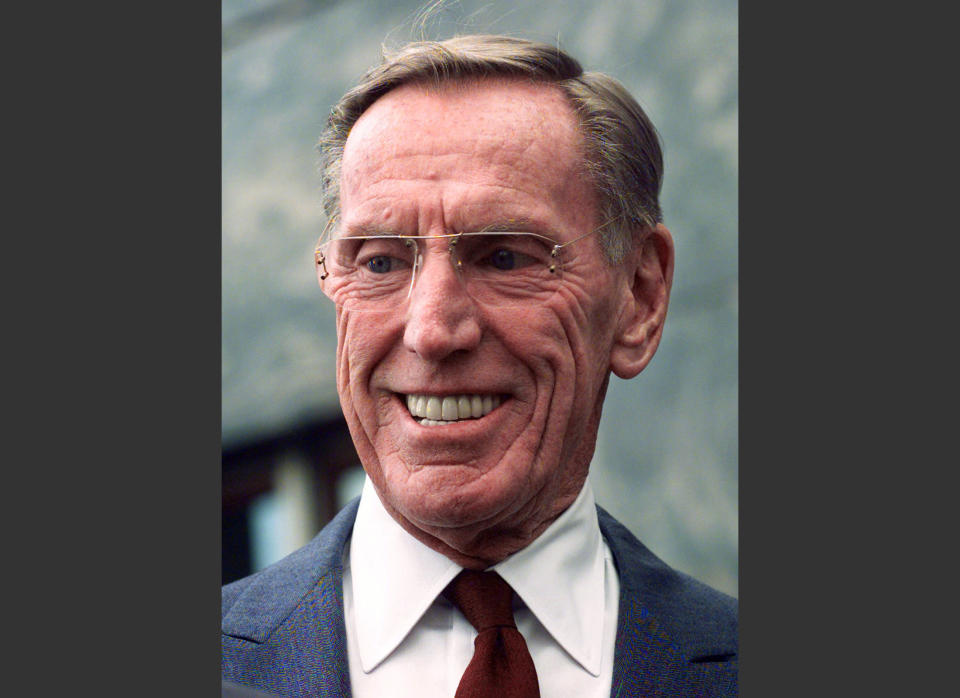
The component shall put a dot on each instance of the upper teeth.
(451, 407)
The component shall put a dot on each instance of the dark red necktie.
(501, 666)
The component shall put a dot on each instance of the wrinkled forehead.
(461, 154)
(495, 117)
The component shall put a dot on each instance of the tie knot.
(484, 599)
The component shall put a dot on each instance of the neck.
(482, 545)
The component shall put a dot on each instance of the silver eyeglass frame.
(454, 239)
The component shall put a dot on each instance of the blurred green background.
(666, 460)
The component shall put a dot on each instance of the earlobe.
(640, 327)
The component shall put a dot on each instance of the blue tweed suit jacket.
(283, 628)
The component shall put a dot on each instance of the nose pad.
(441, 318)
(441, 271)
(415, 272)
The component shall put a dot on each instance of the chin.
(453, 496)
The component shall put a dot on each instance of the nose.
(441, 318)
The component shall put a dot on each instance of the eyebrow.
(512, 225)
(517, 225)
(365, 229)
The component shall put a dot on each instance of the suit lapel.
(643, 652)
(658, 649)
(284, 630)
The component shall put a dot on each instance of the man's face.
(461, 158)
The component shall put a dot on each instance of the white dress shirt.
(405, 639)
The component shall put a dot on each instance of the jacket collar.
(675, 635)
(271, 595)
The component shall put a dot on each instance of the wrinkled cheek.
(587, 327)
(579, 358)
(342, 372)
(350, 365)
(556, 343)
(354, 396)
(541, 344)
(363, 340)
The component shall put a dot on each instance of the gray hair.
(623, 158)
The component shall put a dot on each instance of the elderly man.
(495, 250)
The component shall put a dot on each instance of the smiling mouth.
(438, 410)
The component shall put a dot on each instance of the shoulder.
(675, 635)
(255, 605)
(696, 616)
(282, 628)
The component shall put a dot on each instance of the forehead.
(479, 104)
(508, 142)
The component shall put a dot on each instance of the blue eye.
(503, 260)
(380, 264)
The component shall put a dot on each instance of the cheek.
(536, 340)
(561, 339)
(363, 339)
(545, 342)
(581, 341)
(590, 314)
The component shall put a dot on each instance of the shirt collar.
(380, 551)
(560, 577)
(569, 549)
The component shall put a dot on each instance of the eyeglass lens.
(498, 269)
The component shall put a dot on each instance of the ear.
(650, 275)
